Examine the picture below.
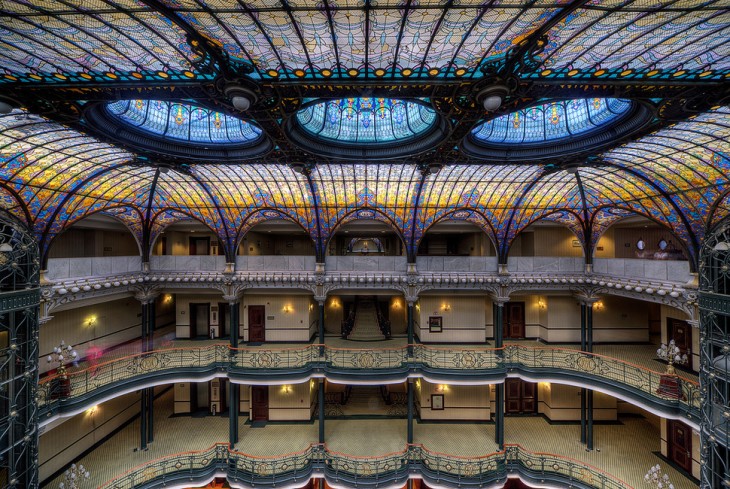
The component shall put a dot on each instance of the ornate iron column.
(714, 305)
(498, 319)
(19, 311)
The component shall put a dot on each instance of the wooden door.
(520, 397)
(199, 319)
(680, 444)
(512, 396)
(260, 403)
(514, 320)
(681, 333)
(257, 323)
(223, 327)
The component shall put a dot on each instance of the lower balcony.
(190, 450)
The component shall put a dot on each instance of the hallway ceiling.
(63, 62)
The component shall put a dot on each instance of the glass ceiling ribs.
(121, 40)
(675, 176)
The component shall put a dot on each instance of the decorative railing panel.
(474, 471)
(220, 358)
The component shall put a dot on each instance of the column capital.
(233, 298)
(411, 299)
(146, 295)
(321, 299)
(587, 300)
(499, 300)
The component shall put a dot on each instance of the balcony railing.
(365, 471)
(298, 363)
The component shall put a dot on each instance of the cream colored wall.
(562, 403)
(179, 244)
(461, 402)
(333, 315)
(618, 320)
(76, 243)
(292, 402)
(463, 318)
(115, 322)
(59, 446)
(555, 241)
(285, 326)
(255, 243)
(606, 246)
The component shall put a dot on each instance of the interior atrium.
(364, 243)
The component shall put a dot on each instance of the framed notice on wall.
(435, 324)
(437, 402)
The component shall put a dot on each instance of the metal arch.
(284, 215)
(484, 9)
(319, 244)
(146, 223)
(547, 213)
(492, 237)
(69, 195)
(20, 201)
(412, 249)
(255, 20)
(230, 254)
(695, 243)
(709, 226)
(404, 20)
(344, 220)
(446, 7)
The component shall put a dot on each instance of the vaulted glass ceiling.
(183, 122)
(67, 62)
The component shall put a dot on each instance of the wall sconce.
(287, 309)
(442, 388)
(540, 304)
(335, 303)
(168, 298)
(598, 306)
(311, 306)
(92, 410)
(446, 307)
(396, 303)
(91, 321)
(286, 389)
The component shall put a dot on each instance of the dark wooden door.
(223, 325)
(260, 403)
(681, 333)
(199, 319)
(257, 323)
(514, 320)
(520, 397)
(680, 444)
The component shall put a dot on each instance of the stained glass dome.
(176, 130)
(552, 121)
(367, 120)
(556, 128)
(359, 126)
(184, 122)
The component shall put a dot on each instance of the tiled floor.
(625, 450)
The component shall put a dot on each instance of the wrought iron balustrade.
(274, 358)
(470, 471)
(366, 358)
(471, 358)
(612, 369)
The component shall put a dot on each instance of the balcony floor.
(626, 450)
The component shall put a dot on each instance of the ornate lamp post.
(672, 354)
(62, 354)
(73, 477)
(658, 480)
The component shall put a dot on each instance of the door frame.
(506, 322)
(263, 389)
(672, 424)
(193, 308)
(263, 326)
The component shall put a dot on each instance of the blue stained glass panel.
(552, 121)
(183, 122)
(367, 120)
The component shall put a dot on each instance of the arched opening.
(98, 235)
(636, 236)
(546, 238)
(276, 237)
(365, 237)
(455, 237)
(188, 237)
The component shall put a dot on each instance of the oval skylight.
(552, 121)
(367, 120)
(556, 128)
(183, 122)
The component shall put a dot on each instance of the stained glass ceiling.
(125, 40)
(552, 121)
(366, 119)
(183, 122)
(664, 157)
